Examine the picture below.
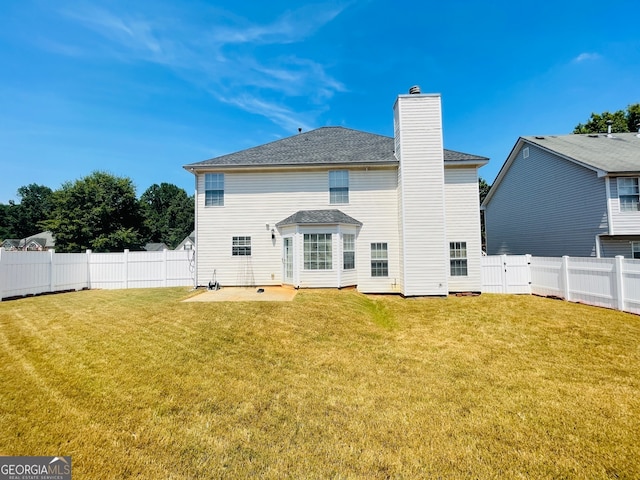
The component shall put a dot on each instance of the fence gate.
(506, 274)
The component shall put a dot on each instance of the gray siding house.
(336, 207)
(574, 195)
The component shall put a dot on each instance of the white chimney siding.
(419, 149)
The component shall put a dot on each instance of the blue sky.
(140, 88)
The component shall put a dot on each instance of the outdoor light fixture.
(273, 234)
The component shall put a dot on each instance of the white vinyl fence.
(605, 282)
(32, 273)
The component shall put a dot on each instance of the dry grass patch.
(331, 385)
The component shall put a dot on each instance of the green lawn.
(137, 384)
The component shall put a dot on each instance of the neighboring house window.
(458, 258)
(629, 194)
(348, 251)
(379, 260)
(635, 250)
(241, 246)
(339, 186)
(317, 251)
(213, 189)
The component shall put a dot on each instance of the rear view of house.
(335, 207)
(575, 195)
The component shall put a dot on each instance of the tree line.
(100, 212)
(621, 121)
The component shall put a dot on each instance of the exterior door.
(287, 259)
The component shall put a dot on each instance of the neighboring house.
(11, 244)
(574, 195)
(39, 242)
(335, 207)
(155, 247)
(188, 243)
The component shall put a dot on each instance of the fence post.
(564, 272)
(619, 279)
(52, 275)
(88, 252)
(1, 274)
(164, 267)
(126, 268)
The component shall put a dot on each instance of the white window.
(635, 250)
(339, 186)
(629, 194)
(379, 260)
(214, 189)
(317, 251)
(458, 259)
(348, 251)
(241, 246)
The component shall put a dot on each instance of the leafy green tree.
(19, 220)
(633, 117)
(100, 212)
(623, 121)
(168, 213)
(483, 188)
(6, 230)
(36, 205)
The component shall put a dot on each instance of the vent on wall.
(525, 152)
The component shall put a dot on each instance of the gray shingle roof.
(319, 217)
(322, 146)
(156, 247)
(620, 154)
(9, 243)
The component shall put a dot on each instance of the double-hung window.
(635, 250)
(214, 189)
(241, 246)
(317, 251)
(458, 259)
(379, 260)
(348, 251)
(629, 194)
(339, 186)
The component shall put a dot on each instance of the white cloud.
(128, 37)
(587, 56)
(290, 27)
(278, 114)
(214, 53)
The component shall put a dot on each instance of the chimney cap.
(415, 90)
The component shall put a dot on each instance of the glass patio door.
(287, 259)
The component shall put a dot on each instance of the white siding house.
(335, 207)
(575, 195)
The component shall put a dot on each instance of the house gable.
(544, 204)
(615, 155)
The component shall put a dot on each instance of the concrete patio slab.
(245, 294)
